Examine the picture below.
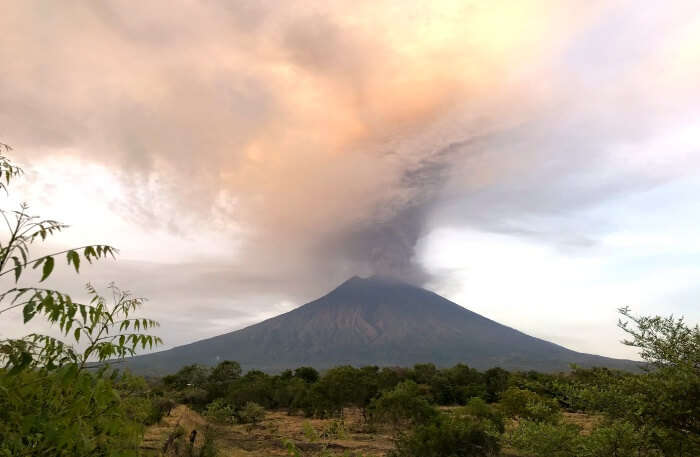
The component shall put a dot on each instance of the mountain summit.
(375, 321)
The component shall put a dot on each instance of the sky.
(537, 162)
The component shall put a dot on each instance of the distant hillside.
(375, 321)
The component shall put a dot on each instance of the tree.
(188, 376)
(667, 397)
(50, 392)
(448, 436)
(402, 405)
(496, 380)
(337, 389)
(221, 378)
(542, 439)
(308, 374)
(663, 341)
(525, 404)
(37, 350)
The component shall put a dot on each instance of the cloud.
(288, 146)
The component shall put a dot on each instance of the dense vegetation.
(653, 413)
(60, 397)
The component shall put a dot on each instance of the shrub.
(526, 404)
(251, 413)
(480, 410)
(615, 438)
(193, 396)
(160, 407)
(220, 411)
(403, 404)
(449, 436)
(543, 439)
(307, 374)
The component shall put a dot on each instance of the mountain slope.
(375, 321)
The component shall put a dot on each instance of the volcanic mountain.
(375, 321)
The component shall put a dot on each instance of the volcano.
(375, 321)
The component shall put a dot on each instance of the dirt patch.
(279, 430)
(171, 436)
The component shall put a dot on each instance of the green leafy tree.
(188, 376)
(251, 413)
(542, 439)
(525, 404)
(308, 374)
(496, 380)
(403, 405)
(221, 377)
(662, 341)
(448, 436)
(666, 399)
(337, 389)
(56, 399)
(480, 410)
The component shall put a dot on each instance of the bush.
(251, 413)
(526, 404)
(42, 413)
(454, 437)
(221, 412)
(542, 439)
(480, 410)
(616, 438)
(403, 404)
(193, 396)
(159, 407)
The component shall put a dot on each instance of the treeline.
(653, 413)
(306, 391)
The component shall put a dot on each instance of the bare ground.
(271, 437)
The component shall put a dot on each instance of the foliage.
(43, 413)
(619, 439)
(50, 403)
(478, 409)
(220, 411)
(221, 376)
(448, 436)
(663, 341)
(251, 413)
(525, 404)
(209, 447)
(542, 439)
(496, 380)
(653, 413)
(307, 374)
(339, 388)
(612, 438)
(160, 407)
(187, 376)
(402, 405)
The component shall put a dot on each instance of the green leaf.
(28, 312)
(18, 268)
(76, 335)
(89, 252)
(74, 257)
(48, 268)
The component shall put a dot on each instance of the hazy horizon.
(535, 162)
